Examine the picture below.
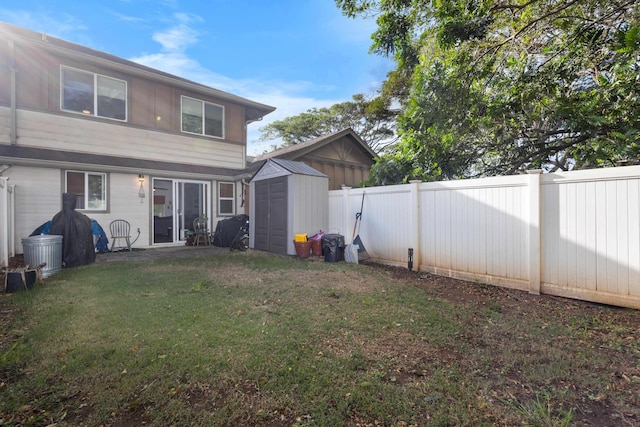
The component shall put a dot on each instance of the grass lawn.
(249, 338)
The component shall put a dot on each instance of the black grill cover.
(227, 229)
(75, 229)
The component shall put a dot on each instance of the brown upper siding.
(153, 97)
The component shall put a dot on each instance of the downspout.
(14, 136)
(246, 143)
(245, 184)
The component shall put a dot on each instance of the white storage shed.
(287, 198)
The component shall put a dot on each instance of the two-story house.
(129, 141)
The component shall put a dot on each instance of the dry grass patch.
(256, 339)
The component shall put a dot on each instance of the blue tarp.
(102, 243)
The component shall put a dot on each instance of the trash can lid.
(42, 238)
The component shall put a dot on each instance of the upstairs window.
(90, 189)
(202, 118)
(226, 198)
(93, 94)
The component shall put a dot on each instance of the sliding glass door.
(176, 203)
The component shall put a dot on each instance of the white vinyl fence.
(7, 218)
(573, 234)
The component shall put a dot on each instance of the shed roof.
(298, 168)
(272, 168)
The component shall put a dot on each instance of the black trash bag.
(227, 229)
(333, 247)
(75, 229)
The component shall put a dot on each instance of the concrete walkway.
(163, 252)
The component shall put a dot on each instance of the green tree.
(372, 119)
(499, 86)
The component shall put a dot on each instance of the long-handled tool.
(356, 251)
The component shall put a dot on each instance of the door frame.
(179, 204)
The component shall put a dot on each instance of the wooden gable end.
(343, 160)
(344, 150)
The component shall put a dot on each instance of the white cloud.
(176, 63)
(127, 18)
(179, 37)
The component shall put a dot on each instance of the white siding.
(96, 137)
(124, 203)
(38, 197)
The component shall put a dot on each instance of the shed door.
(271, 215)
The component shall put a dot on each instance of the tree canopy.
(372, 119)
(500, 86)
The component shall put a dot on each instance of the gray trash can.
(43, 249)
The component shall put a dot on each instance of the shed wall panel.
(308, 208)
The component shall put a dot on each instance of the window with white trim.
(93, 94)
(226, 198)
(202, 118)
(90, 189)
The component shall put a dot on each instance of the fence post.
(345, 218)
(534, 231)
(415, 222)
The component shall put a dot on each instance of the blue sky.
(291, 54)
